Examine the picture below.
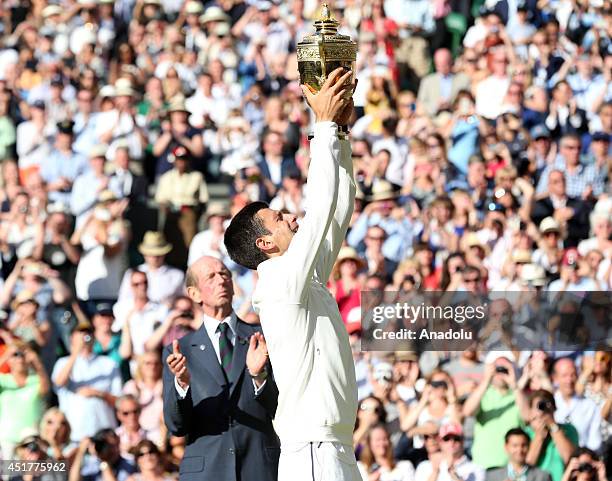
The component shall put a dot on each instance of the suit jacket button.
(231, 451)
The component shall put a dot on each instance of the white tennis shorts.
(317, 461)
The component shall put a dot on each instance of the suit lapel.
(241, 347)
(203, 351)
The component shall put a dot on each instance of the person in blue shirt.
(63, 165)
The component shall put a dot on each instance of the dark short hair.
(580, 451)
(244, 229)
(516, 432)
(544, 395)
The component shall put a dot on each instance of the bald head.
(209, 283)
(443, 61)
(203, 265)
(565, 376)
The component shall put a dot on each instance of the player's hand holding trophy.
(323, 53)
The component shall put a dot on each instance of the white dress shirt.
(211, 325)
(584, 414)
(165, 283)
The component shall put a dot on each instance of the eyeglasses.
(133, 411)
(376, 238)
(141, 283)
(452, 438)
(145, 453)
(472, 280)
(471, 60)
(433, 146)
(51, 421)
(18, 354)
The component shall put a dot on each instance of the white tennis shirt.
(307, 341)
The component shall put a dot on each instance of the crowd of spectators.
(131, 131)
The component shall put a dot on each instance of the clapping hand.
(257, 355)
(177, 363)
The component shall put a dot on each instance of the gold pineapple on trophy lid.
(320, 53)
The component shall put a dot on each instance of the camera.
(545, 406)
(100, 443)
(501, 370)
(87, 338)
(585, 468)
(188, 314)
(436, 384)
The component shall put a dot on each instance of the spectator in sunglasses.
(150, 463)
(147, 388)
(451, 463)
(55, 431)
(22, 391)
(371, 412)
(438, 405)
(130, 431)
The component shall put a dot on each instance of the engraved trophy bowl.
(322, 52)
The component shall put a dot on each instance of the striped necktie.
(225, 347)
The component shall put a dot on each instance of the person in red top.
(345, 283)
(5, 339)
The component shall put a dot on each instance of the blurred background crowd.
(131, 130)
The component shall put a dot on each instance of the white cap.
(193, 8)
(493, 356)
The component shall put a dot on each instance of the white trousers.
(317, 461)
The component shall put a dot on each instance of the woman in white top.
(103, 238)
(19, 230)
(438, 404)
(377, 462)
(147, 388)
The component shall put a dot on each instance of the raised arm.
(305, 248)
(345, 203)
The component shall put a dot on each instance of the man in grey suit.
(517, 469)
(438, 90)
(218, 388)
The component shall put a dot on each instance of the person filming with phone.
(552, 443)
(99, 458)
(585, 465)
(87, 385)
(496, 404)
